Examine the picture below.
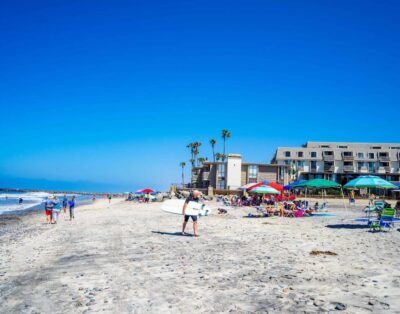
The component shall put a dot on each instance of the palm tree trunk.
(213, 153)
(224, 148)
(183, 178)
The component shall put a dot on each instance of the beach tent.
(249, 186)
(291, 185)
(320, 184)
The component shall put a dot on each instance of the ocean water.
(31, 201)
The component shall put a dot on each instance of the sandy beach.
(129, 258)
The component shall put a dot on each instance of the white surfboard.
(193, 208)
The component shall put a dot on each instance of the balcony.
(347, 157)
(381, 170)
(384, 158)
(328, 157)
(329, 168)
(348, 168)
(362, 169)
(206, 176)
(313, 169)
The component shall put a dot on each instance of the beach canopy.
(249, 186)
(367, 182)
(264, 189)
(145, 191)
(317, 184)
(291, 185)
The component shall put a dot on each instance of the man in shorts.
(48, 207)
(193, 197)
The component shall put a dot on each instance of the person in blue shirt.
(48, 206)
(71, 204)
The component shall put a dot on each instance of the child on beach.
(71, 204)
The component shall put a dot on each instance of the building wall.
(234, 172)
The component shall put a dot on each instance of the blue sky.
(106, 94)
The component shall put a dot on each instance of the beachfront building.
(234, 173)
(340, 162)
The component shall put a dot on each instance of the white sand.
(127, 258)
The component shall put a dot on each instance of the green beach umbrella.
(369, 182)
(264, 189)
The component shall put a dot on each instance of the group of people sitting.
(288, 209)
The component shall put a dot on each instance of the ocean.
(32, 201)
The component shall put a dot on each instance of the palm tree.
(202, 160)
(218, 156)
(191, 146)
(183, 164)
(213, 142)
(192, 162)
(225, 134)
(196, 152)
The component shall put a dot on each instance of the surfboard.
(193, 208)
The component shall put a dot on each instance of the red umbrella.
(146, 190)
(276, 186)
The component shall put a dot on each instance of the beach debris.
(340, 306)
(222, 211)
(267, 223)
(318, 252)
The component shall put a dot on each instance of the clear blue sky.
(106, 94)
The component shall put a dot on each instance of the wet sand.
(129, 258)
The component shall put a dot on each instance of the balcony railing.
(313, 169)
(329, 168)
(384, 158)
(362, 169)
(328, 157)
(206, 176)
(387, 169)
(346, 158)
(348, 168)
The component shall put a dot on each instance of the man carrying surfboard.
(193, 197)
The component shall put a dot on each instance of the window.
(313, 154)
(221, 176)
(360, 165)
(252, 173)
(325, 146)
(371, 166)
(347, 154)
(343, 146)
(288, 162)
(376, 147)
(300, 163)
(348, 163)
(287, 154)
(371, 155)
(313, 164)
(299, 154)
(395, 147)
(384, 154)
(360, 155)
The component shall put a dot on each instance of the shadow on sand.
(348, 226)
(177, 234)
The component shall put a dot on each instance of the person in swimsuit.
(193, 197)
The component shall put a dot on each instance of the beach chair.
(321, 208)
(376, 207)
(385, 222)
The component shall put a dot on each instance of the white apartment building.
(340, 162)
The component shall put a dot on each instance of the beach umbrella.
(276, 186)
(145, 191)
(249, 186)
(369, 182)
(264, 189)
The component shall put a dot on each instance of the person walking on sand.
(65, 203)
(71, 204)
(109, 198)
(48, 208)
(193, 197)
(56, 210)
